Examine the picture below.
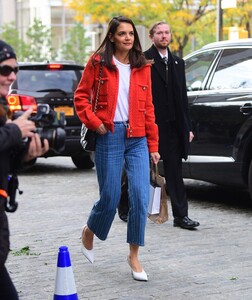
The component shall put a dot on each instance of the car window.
(234, 70)
(196, 68)
(35, 80)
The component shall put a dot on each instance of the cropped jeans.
(113, 151)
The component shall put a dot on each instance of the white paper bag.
(154, 203)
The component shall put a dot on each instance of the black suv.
(219, 84)
(53, 84)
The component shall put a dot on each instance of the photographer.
(12, 154)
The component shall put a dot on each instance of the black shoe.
(185, 223)
(123, 217)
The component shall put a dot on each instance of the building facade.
(7, 11)
(56, 15)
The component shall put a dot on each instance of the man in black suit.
(173, 120)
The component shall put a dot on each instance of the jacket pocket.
(142, 96)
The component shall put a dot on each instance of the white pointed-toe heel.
(140, 276)
(89, 254)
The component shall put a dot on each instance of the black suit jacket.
(177, 83)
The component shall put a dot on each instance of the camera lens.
(59, 141)
(55, 137)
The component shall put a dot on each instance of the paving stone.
(213, 262)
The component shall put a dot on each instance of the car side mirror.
(195, 86)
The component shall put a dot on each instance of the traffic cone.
(65, 288)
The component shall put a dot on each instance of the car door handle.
(246, 109)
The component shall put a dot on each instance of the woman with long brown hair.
(126, 134)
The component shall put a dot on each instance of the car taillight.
(21, 102)
(54, 66)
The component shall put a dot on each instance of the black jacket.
(10, 139)
(10, 154)
(176, 88)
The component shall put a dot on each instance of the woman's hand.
(155, 156)
(101, 129)
(26, 126)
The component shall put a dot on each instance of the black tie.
(165, 59)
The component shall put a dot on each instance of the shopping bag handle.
(154, 172)
(154, 167)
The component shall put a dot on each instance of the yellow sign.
(69, 111)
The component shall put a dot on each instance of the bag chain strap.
(98, 88)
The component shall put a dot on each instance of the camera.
(49, 125)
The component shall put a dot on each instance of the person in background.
(126, 135)
(172, 117)
(123, 206)
(12, 154)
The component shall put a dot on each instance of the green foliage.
(197, 40)
(40, 42)
(10, 35)
(193, 23)
(182, 15)
(23, 251)
(75, 48)
(239, 17)
(233, 278)
(38, 47)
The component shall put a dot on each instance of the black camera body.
(49, 125)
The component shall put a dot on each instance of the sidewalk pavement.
(213, 262)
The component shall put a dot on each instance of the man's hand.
(191, 136)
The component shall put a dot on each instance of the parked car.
(219, 85)
(219, 89)
(53, 84)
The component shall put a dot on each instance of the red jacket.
(141, 109)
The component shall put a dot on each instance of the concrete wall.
(7, 11)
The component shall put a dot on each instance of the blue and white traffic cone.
(65, 288)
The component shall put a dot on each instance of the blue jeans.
(113, 151)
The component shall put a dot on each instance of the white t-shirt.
(122, 108)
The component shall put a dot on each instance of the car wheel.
(250, 179)
(83, 162)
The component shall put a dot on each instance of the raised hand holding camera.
(48, 124)
(27, 127)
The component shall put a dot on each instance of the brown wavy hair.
(107, 48)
